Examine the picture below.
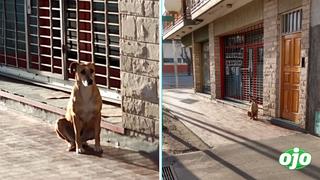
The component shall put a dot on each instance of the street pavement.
(239, 148)
(248, 160)
(184, 81)
(30, 149)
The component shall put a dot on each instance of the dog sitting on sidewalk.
(253, 111)
(83, 115)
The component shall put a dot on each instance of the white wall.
(168, 50)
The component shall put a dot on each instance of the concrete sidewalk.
(240, 148)
(248, 160)
(30, 149)
(216, 123)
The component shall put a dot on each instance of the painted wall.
(285, 5)
(244, 16)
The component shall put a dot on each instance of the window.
(168, 60)
(291, 22)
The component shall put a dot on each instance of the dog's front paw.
(80, 150)
(98, 149)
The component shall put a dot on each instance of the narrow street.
(239, 148)
(31, 150)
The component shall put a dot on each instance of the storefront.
(242, 60)
(45, 37)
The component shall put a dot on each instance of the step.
(52, 102)
(53, 110)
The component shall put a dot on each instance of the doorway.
(290, 73)
(290, 65)
(243, 65)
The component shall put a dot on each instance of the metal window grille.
(60, 32)
(291, 22)
(12, 34)
(93, 36)
(243, 64)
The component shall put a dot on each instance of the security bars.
(59, 33)
(12, 34)
(243, 64)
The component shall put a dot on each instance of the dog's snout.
(90, 82)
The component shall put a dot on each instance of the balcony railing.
(195, 4)
(184, 14)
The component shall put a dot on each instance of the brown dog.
(83, 115)
(253, 112)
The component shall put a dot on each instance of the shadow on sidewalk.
(138, 159)
(311, 171)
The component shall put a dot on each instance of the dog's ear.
(73, 66)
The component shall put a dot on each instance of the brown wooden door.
(290, 76)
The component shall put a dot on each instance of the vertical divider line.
(160, 89)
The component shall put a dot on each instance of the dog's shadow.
(145, 160)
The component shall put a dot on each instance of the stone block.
(133, 49)
(132, 7)
(128, 21)
(147, 29)
(139, 124)
(139, 87)
(145, 67)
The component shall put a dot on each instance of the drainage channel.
(168, 173)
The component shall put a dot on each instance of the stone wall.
(314, 66)
(196, 58)
(215, 73)
(272, 60)
(304, 54)
(271, 65)
(139, 42)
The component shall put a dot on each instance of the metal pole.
(175, 63)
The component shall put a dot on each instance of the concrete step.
(52, 102)
(44, 111)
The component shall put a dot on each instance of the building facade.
(183, 55)
(250, 49)
(41, 38)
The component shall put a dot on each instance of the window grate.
(90, 38)
(12, 34)
(291, 22)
